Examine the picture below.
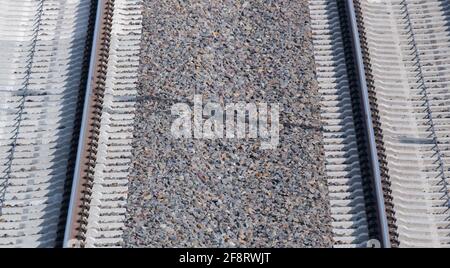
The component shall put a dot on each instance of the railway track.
(41, 72)
(409, 66)
(99, 193)
(347, 153)
(50, 50)
(405, 54)
(67, 113)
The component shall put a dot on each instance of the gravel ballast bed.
(227, 193)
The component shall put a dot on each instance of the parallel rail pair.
(80, 203)
(383, 68)
(383, 72)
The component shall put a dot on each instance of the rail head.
(75, 209)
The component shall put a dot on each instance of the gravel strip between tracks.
(227, 193)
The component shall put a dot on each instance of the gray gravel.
(203, 193)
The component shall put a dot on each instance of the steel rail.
(373, 154)
(76, 184)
